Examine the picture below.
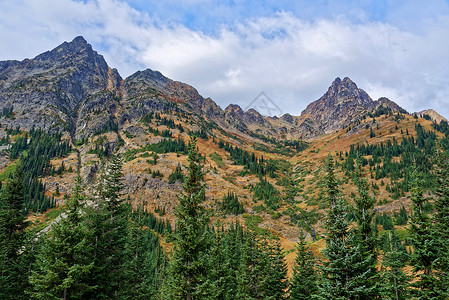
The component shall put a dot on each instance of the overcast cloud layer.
(232, 52)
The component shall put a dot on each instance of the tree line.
(108, 251)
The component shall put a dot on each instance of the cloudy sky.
(232, 51)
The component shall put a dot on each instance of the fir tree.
(275, 281)
(332, 192)
(64, 263)
(109, 224)
(424, 256)
(441, 219)
(303, 283)
(366, 235)
(344, 272)
(188, 267)
(145, 267)
(394, 281)
(12, 228)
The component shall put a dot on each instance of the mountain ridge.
(63, 86)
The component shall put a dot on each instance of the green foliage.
(157, 174)
(202, 133)
(108, 223)
(12, 237)
(263, 272)
(303, 284)
(425, 254)
(64, 262)
(346, 272)
(34, 156)
(411, 151)
(164, 146)
(385, 220)
(441, 219)
(177, 175)
(266, 192)
(188, 268)
(249, 160)
(217, 159)
(394, 281)
(7, 113)
(101, 147)
(164, 133)
(401, 218)
(146, 263)
(231, 204)
(283, 147)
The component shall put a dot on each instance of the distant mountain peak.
(78, 46)
(434, 116)
(341, 104)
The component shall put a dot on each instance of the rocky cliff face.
(56, 89)
(71, 88)
(340, 105)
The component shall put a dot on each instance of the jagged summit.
(68, 49)
(345, 90)
(62, 88)
(342, 103)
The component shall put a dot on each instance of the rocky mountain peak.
(234, 108)
(432, 114)
(341, 104)
(77, 47)
(342, 91)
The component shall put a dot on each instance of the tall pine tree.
(303, 284)
(394, 280)
(441, 219)
(12, 228)
(145, 267)
(64, 263)
(109, 224)
(366, 235)
(425, 251)
(343, 271)
(188, 267)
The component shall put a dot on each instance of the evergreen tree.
(145, 267)
(344, 272)
(109, 224)
(253, 267)
(229, 255)
(188, 267)
(64, 262)
(394, 281)
(275, 281)
(303, 283)
(366, 235)
(332, 192)
(425, 254)
(441, 219)
(12, 228)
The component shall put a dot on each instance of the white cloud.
(292, 60)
